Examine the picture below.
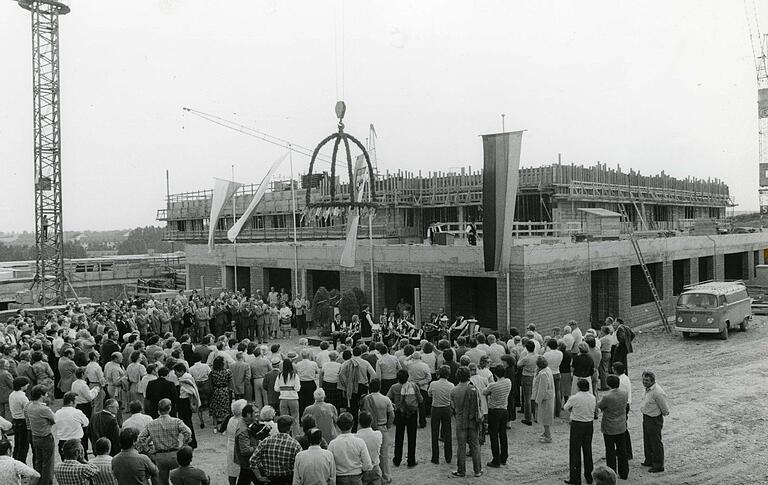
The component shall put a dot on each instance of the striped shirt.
(104, 475)
(290, 389)
(497, 393)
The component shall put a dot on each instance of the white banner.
(223, 190)
(350, 246)
(235, 230)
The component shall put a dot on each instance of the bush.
(360, 297)
(348, 305)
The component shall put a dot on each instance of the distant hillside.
(142, 239)
(751, 219)
(82, 244)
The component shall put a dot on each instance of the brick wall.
(349, 280)
(211, 273)
(257, 279)
(433, 297)
(555, 296)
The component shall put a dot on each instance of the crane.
(50, 279)
(759, 48)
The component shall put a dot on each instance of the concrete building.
(572, 258)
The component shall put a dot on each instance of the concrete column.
(433, 290)
(625, 292)
(667, 295)
(719, 267)
(694, 270)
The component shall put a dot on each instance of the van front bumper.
(697, 330)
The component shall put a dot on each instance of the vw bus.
(714, 307)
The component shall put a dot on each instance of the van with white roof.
(713, 307)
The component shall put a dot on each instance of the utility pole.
(50, 279)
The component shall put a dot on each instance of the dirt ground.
(717, 432)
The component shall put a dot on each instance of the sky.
(653, 85)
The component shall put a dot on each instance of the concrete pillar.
(719, 267)
(502, 304)
(625, 292)
(667, 295)
(694, 270)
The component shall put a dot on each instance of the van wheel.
(686, 334)
(743, 325)
(724, 333)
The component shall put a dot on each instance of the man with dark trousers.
(614, 426)
(465, 404)
(654, 407)
(582, 408)
(104, 424)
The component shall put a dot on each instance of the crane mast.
(49, 279)
(759, 43)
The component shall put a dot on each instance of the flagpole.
(234, 218)
(293, 216)
(370, 242)
(506, 270)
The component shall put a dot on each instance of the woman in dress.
(285, 320)
(233, 469)
(221, 380)
(43, 372)
(544, 395)
(288, 385)
(135, 372)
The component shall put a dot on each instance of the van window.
(721, 300)
(701, 300)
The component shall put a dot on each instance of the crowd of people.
(127, 379)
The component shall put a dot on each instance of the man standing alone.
(654, 407)
(582, 408)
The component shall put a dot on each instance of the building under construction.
(572, 257)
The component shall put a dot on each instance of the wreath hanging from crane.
(351, 200)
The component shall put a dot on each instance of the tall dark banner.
(501, 163)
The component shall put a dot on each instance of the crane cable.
(252, 132)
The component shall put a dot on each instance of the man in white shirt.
(322, 356)
(373, 440)
(582, 408)
(314, 465)
(137, 420)
(349, 452)
(17, 400)
(70, 422)
(577, 336)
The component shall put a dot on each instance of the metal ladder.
(644, 267)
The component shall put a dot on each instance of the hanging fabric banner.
(501, 162)
(350, 245)
(223, 190)
(235, 230)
